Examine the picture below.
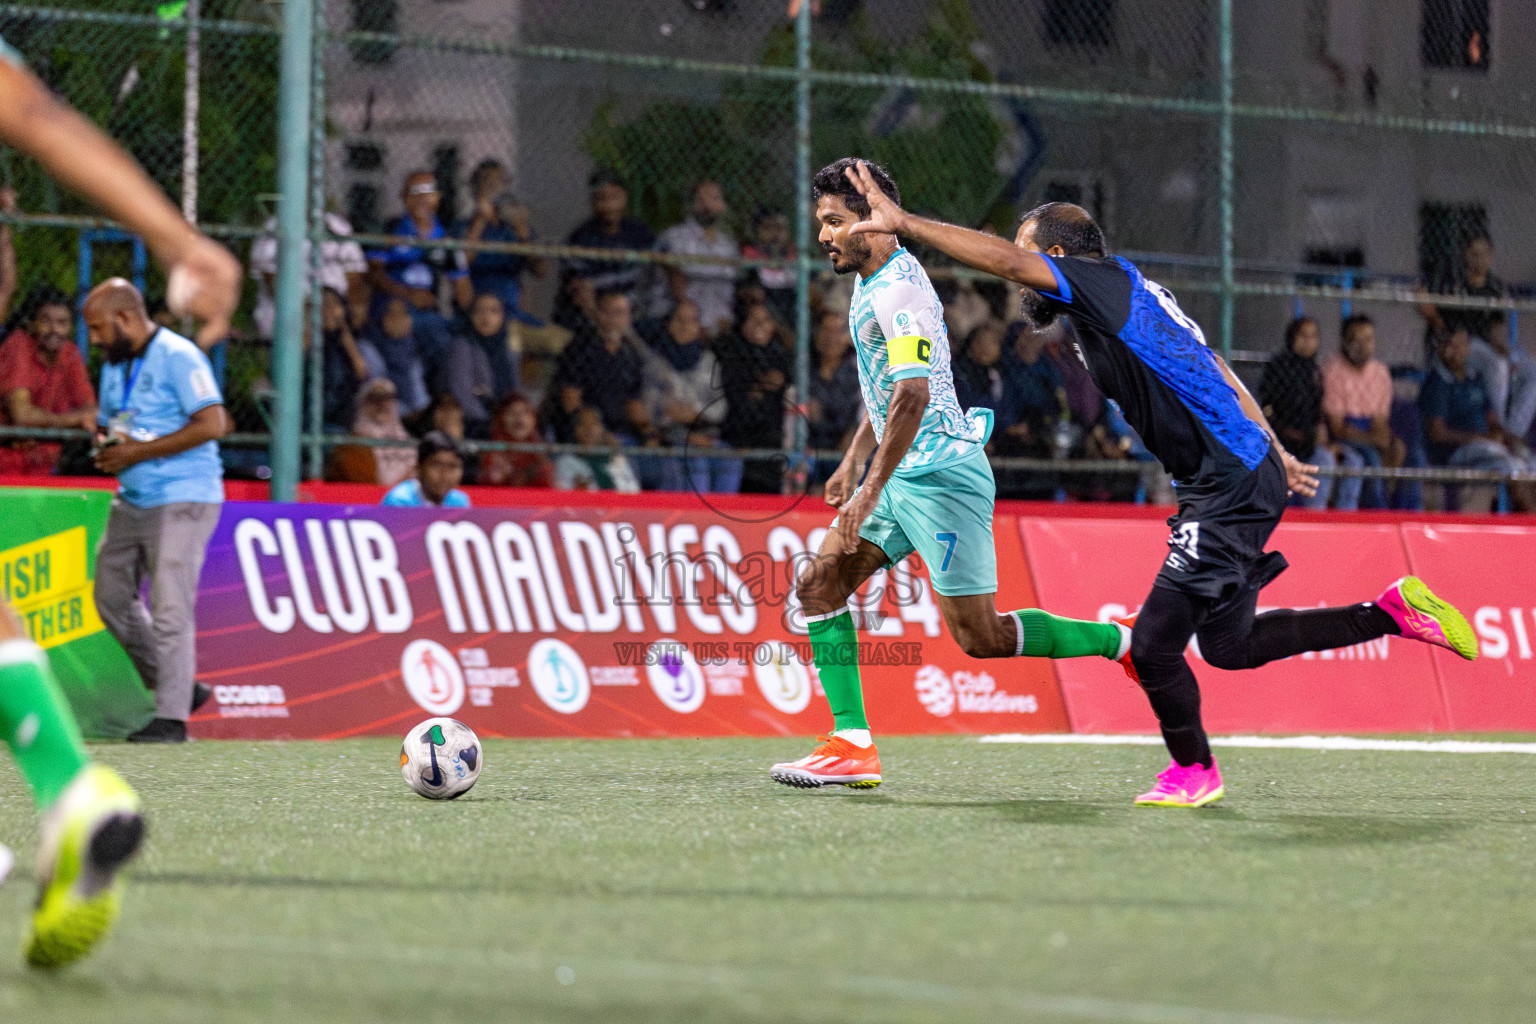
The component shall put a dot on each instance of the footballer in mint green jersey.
(928, 489)
(897, 323)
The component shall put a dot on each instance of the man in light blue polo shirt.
(161, 418)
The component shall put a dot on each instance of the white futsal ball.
(441, 758)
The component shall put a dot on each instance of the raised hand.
(204, 283)
(885, 217)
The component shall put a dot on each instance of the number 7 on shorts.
(949, 539)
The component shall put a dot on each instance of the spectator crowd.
(428, 348)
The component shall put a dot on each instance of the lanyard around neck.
(133, 371)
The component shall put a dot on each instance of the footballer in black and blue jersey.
(1193, 413)
(1144, 352)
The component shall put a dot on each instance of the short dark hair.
(832, 180)
(603, 176)
(484, 168)
(1294, 328)
(40, 296)
(1067, 225)
(1353, 321)
(435, 442)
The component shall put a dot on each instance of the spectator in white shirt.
(342, 267)
(711, 286)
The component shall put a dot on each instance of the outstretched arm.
(205, 279)
(988, 253)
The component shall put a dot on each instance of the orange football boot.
(836, 762)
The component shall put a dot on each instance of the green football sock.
(835, 647)
(1050, 636)
(37, 722)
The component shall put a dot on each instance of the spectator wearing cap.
(417, 273)
(342, 267)
(439, 470)
(500, 217)
(711, 286)
(378, 417)
(609, 227)
(43, 383)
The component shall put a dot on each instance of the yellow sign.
(45, 581)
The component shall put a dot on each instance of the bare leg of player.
(847, 756)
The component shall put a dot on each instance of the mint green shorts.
(946, 517)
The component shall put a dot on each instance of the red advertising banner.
(1486, 571)
(1098, 569)
(319, 621)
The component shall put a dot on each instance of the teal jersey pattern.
(897, 323)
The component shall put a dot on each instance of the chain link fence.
(1304, 157)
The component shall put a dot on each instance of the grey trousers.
(167, 545)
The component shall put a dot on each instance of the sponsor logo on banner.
(934, 691)
(781, 677)
(559, 676)
(944, 693)
(432, 676)
(675, 675)
(251, 701)
(46, 582)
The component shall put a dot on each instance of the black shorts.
(1216, 547)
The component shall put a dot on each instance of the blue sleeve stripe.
(910, 370)
(1063, 288)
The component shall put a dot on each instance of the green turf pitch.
(645, 881)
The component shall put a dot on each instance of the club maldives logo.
(943, 693)
(934, 690)
(675, 675)
(781, 677)
(559, 676)
(432, 676)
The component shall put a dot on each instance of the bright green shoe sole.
(1457, 630)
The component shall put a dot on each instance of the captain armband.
(908, 352)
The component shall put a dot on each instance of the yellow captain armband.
(908, 351)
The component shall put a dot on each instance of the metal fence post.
(1227, 282)
(317, 238)
(293, 187)
(190, 103)
(802, 221)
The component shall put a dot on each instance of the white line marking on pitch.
(1276, 742)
